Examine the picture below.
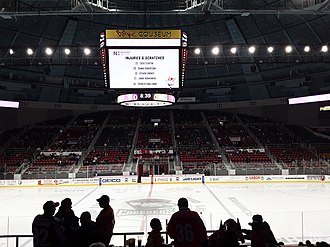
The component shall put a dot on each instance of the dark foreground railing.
(17, 237)
(124, 234)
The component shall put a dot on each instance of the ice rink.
(295, 211)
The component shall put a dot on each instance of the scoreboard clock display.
(146, 99)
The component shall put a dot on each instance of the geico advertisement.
(115, 180)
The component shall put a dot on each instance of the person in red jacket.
(105, 221)
(186, 227)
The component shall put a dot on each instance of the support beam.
(323, 6)
(208, 4)
(190, 4)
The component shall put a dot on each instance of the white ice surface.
(295, 211)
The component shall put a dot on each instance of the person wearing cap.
(105, 221)
(46, 228)
(261, 235)
(69, 220)
(186, 227)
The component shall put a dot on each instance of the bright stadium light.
(11, 52)
(49, 51)
(309, 99)
(215, 50)
(270, 49)
(324, 48)
(233, 50)
(252, 49)
(29, 51)
(288, 49)
(307, 48)
(67, 51)
(87, 51)
(197, 51)
(9, 104)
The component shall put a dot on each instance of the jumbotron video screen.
(143, 59)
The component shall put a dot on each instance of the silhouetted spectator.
(308, 243)
(85, 234)
(69, 220)
(105, 221)
(186, 227)
(228, 235)
(155, 239)
(323, 244)
(261, 235)
(301, 244)
(46, 228)
(98, 244)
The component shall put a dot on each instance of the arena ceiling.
(224, 23)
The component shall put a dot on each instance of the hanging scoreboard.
(143, 59)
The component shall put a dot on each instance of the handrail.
(16, 237)
(125, 234)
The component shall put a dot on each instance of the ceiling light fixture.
(67, 51)
(252, 49)
(87, 51)
(215, 50)
(29, 51)
(49, 51)
(324, 48)
(197, 51)
(288, 49)
(270, 49)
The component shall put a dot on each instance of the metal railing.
(124, 234)
(17, 237)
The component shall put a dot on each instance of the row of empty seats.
(247, 156)
(233, 136)
(107, 157)
(290, 154)
(195, 141)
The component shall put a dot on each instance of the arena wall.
(164, 179)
